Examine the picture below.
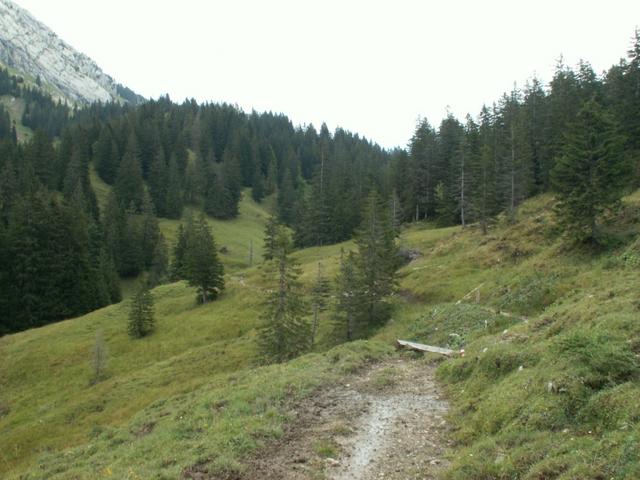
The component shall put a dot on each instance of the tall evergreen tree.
(129, 186)
(284, 333)
(348, 315)
(591, 173)
(376, 261)
(203, 268)
(320, 293)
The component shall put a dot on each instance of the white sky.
(372, 67)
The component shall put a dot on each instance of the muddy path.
(385, 422)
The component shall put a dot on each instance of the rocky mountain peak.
(34, 50)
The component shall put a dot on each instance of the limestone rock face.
(31, 48)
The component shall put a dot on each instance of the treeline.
(469, 171)
(158, 158)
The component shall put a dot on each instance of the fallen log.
(419, 347)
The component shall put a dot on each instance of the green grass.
(233, 237)
(550, 390)
(15, 107)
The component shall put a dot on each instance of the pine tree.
(320, 293)
(284, 334)
(179, 263)
(591, 173)
(376, 261)
(98, 359)
(270, 234)
(129, 186)
(203, 268)
(348, 315)
(159, 264)
(105, 155)
(141, 314)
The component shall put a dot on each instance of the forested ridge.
(62, 255)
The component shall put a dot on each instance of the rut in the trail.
(386, 422)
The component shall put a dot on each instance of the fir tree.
(179, 263)
(348, 317)
(320, 293)
(203, 268)
(376, 261)
(98, 359)
(591, 173)
(159, 265)
(141, 314)
(284, 334)
(270, 234)
(129, 186)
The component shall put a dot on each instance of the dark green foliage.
(270, 234)
(320, 293)
(178, 265)
(347, 317)
(285, 333)
(129, 186)
(377, 260)
(105, 156)
(141, 314)
(367, 278)
(48, 272)
(202, 267)
(591, 172)
(159, 270)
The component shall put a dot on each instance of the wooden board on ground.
(419, 347)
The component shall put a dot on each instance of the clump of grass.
(326, 448)
(531, 295)
(385, 377)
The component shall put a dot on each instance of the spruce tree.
(348, 315)
(141, 314)
(376, 261)
(203, 268)
(591, 173)
(129, 186)
(270, 234)
(320, 293)
(159, 265)
(179, 263)
(284, 333)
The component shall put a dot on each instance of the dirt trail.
(385, 422)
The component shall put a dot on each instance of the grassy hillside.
(15, 107)
(233, 237)
(547, 388)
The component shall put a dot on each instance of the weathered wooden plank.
(423, 348)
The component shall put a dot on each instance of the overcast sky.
(372, 67)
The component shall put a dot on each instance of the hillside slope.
(547, 388)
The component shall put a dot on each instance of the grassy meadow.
(548, 386)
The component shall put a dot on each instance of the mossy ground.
(549, 390)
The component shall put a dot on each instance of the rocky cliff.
(31, 48)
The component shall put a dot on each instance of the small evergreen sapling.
(98, 359)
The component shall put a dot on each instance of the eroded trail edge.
(385, 422)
